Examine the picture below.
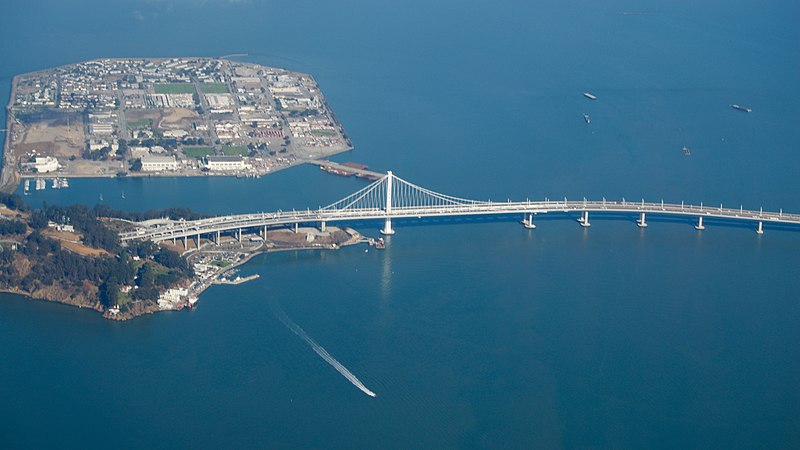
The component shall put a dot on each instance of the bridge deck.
(179, 229)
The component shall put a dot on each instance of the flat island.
(164, 117)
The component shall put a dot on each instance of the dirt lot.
(178, 119)
(6, 211)
(72, 242)
(52, 137)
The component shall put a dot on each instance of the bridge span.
(394, 198)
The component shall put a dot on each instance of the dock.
(346, 169)
(237, 280)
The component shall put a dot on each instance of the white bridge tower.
(387, 227)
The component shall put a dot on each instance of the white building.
(100, 128)
(175, 134)
(158, 163)
(225, 163)
(45, 164)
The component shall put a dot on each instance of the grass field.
(140, 123)
(235, 150)
(197, 151)
(174, 88)
(214, 88)
(323, 133)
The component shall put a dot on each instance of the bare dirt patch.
(178, 119)
(132, 115)
(60, 141)
(72, 242)
(8, 212)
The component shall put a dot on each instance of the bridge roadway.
(165, 230)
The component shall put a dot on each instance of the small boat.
(123, 195)
(589, 95)
(741, 108)
(586, 118)
(101, 197)
(686, 151)
(27, 186)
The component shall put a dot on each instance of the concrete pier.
(585, 222)
(699, 225)
(529, 222)
(642, 223)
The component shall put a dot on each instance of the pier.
(391, 197)
(346, 169)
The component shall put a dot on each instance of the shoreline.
(9, 179)
(32, 297)
(143, 308)
(12, 175)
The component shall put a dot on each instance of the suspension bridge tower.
(387, 227)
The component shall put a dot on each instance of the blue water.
(473, 333)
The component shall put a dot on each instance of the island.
(74, 255)
(164, 117)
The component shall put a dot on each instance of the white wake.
(321, 351)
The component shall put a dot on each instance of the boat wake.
(320, 350)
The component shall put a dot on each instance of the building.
(45, 164)
(225, 163)
(158, 163)
(100, 128)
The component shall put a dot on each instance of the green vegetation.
(214, 88)
(323, 133)
(138, 216)
(197, 151)
(140, 123)
(41, 265)
(221, 263)
(174, 88)
(235, 150)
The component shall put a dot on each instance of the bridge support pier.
(218, 238)
(264, 236)
(699, 226)
(185, 243)
(641, 222)
(529, 222)
(296, 228)
(322, 226)
(198, 241)
(760, 229)
(239, 235)
(585, 220)
(387, 227)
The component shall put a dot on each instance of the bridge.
(391, 198)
